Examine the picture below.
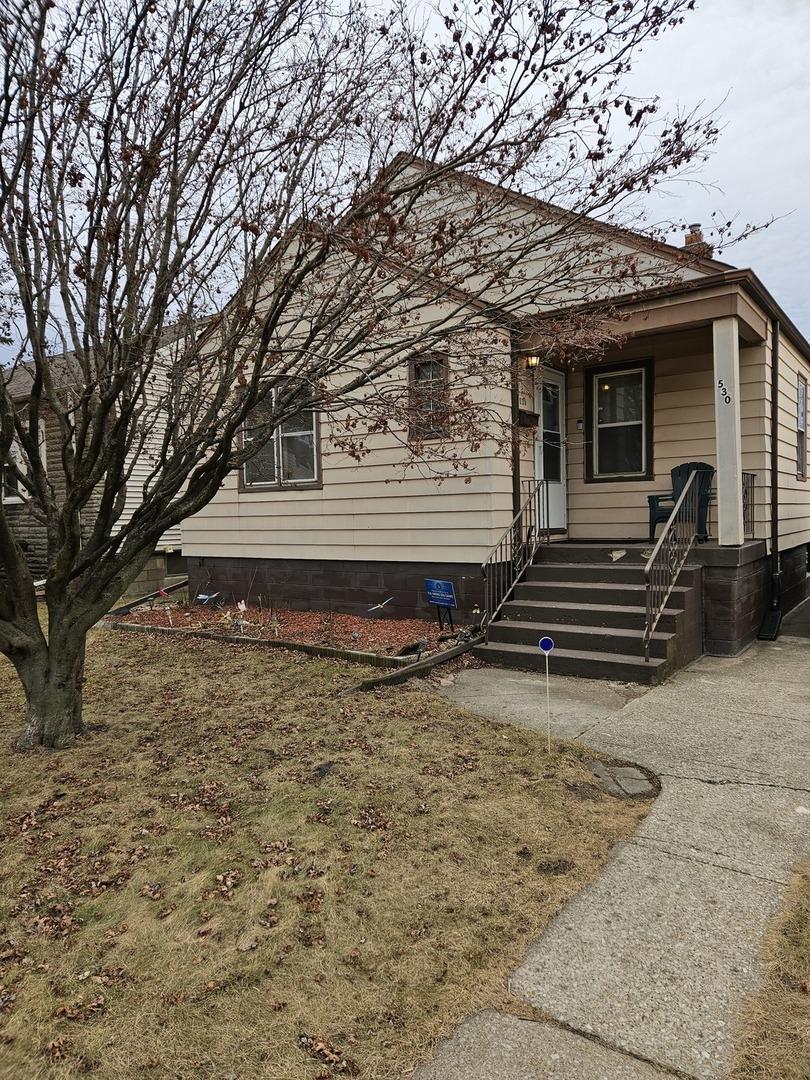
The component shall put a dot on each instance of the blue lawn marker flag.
(546, 644)
(440, 593)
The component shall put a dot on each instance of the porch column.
(728, 427)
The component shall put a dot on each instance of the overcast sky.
(752, 59)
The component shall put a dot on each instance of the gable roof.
(530, 202)
(714, 272)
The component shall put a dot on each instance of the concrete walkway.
(642, 974)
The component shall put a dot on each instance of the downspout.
(515, 399)
(769, 630)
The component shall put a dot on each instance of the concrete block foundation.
(336, 585)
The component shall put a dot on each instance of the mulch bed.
(382, 636)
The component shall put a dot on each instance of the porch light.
(533, 360)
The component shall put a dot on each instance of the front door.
(549, 448)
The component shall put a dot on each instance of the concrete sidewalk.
(642, 974)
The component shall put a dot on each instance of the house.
(165, 565)
(554, 538)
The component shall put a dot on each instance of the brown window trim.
(414, 434)
(648, 365)
(288, 485)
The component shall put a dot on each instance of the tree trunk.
(53, 678)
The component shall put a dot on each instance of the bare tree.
(217, 212)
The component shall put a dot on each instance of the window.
(176, 563)
(552, 444)
(620, 423)
(288, 457)
(801, 429)
(10, 487)
(11, 491)
(429, 397)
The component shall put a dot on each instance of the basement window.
(801, 429)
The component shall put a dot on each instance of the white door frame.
(557, 488)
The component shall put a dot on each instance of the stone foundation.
(336, 585)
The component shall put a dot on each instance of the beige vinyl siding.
(357, 516)
(755, 393)
(683, 430)
(373, 509)
(794, 494)
(145, 462)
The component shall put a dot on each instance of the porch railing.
(748, 495)
(515, 550)
(669, 554)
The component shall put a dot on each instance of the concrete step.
(600, 553)
(600, 592)
(579, 662)
(609, 573)
(541, 612)
(573, 638)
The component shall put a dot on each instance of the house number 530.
(726, 396)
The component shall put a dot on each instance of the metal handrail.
(669, 554)
(509, 557)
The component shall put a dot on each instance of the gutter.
(747, 280)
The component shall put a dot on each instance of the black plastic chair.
(661, 506)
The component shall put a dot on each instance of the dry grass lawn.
(775, 1043)
(239, 872)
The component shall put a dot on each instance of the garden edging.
(330, 651)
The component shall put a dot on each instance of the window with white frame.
(801, 429)
(289, 457)
(619, 423)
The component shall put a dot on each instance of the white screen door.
(549, 447)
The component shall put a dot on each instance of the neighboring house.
(167, 563)
(710, 370)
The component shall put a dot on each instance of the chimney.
(694, 242)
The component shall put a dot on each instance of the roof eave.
(746, 279)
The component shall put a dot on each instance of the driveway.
(641, 976)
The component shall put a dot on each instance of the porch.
(608, 434)
(689, 383)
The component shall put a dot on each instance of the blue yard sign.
(546, 644)
(440, 593)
